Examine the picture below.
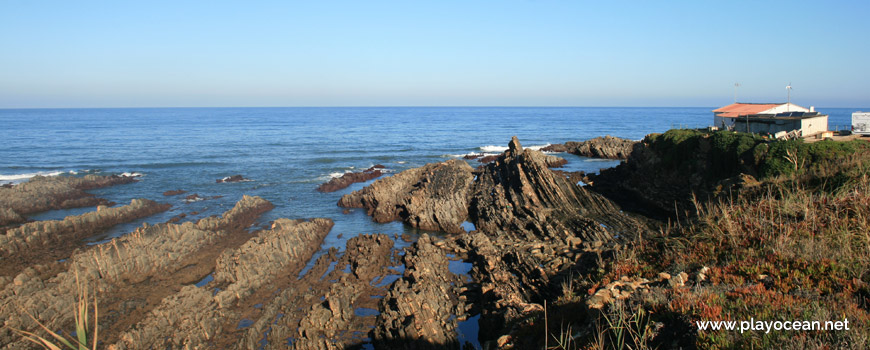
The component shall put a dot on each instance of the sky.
(56, 54)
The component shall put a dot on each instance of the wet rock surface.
(607, 147)
(432, 197)
(50, 193)
(234, 178)
(174, 192)
(348, 179)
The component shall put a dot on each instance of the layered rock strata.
(607, 147)
(420, 310)
(318, 311)
(147, 253)
(38, 240)
(242, 270)
(49, 193)
(432, 197)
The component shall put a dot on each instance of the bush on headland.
(795, 248)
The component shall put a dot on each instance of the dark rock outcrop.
(174, 192)
(345, 180)
(432, 197)
(519, 196)
(234, 178)
(49, 193)
(607, 147)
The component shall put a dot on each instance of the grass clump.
(82, 339)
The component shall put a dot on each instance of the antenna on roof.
(736, 85)
(788, 104)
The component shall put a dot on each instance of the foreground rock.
(421, 308)
(318, 311)
(348, 179)
(432, 197)
(149, 253)
(50, 193)
(243, 270)
(607, 147)
(35, 241)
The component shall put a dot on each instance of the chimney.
(812, 108)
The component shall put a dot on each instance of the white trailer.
(861, 123)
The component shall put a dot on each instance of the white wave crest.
(491, 149)
(18, 178)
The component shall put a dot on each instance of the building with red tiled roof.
(770, 118)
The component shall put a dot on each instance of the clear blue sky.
(431, 53)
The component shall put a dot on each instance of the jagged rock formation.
(148, 252)
(289, 242)
(432, 197)
(37, 240)
(345, 180)
(318, 310)
(518, 195)
(420, 309)
(607, 147)
(49, 193)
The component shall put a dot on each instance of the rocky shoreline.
(526, 216)
(527, 238)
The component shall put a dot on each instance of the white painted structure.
(770, 118)
(861, 123)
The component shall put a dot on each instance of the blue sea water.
(287, 152)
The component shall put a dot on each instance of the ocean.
(288, 152)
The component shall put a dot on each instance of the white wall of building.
(811, 126)
(785, 107)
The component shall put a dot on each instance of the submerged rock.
(348, 179)
(234, 178)
(174, 192)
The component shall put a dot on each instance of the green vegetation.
(79, 340)
(721, 154)
(794, 248)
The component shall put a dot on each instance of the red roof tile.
(740, 109)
